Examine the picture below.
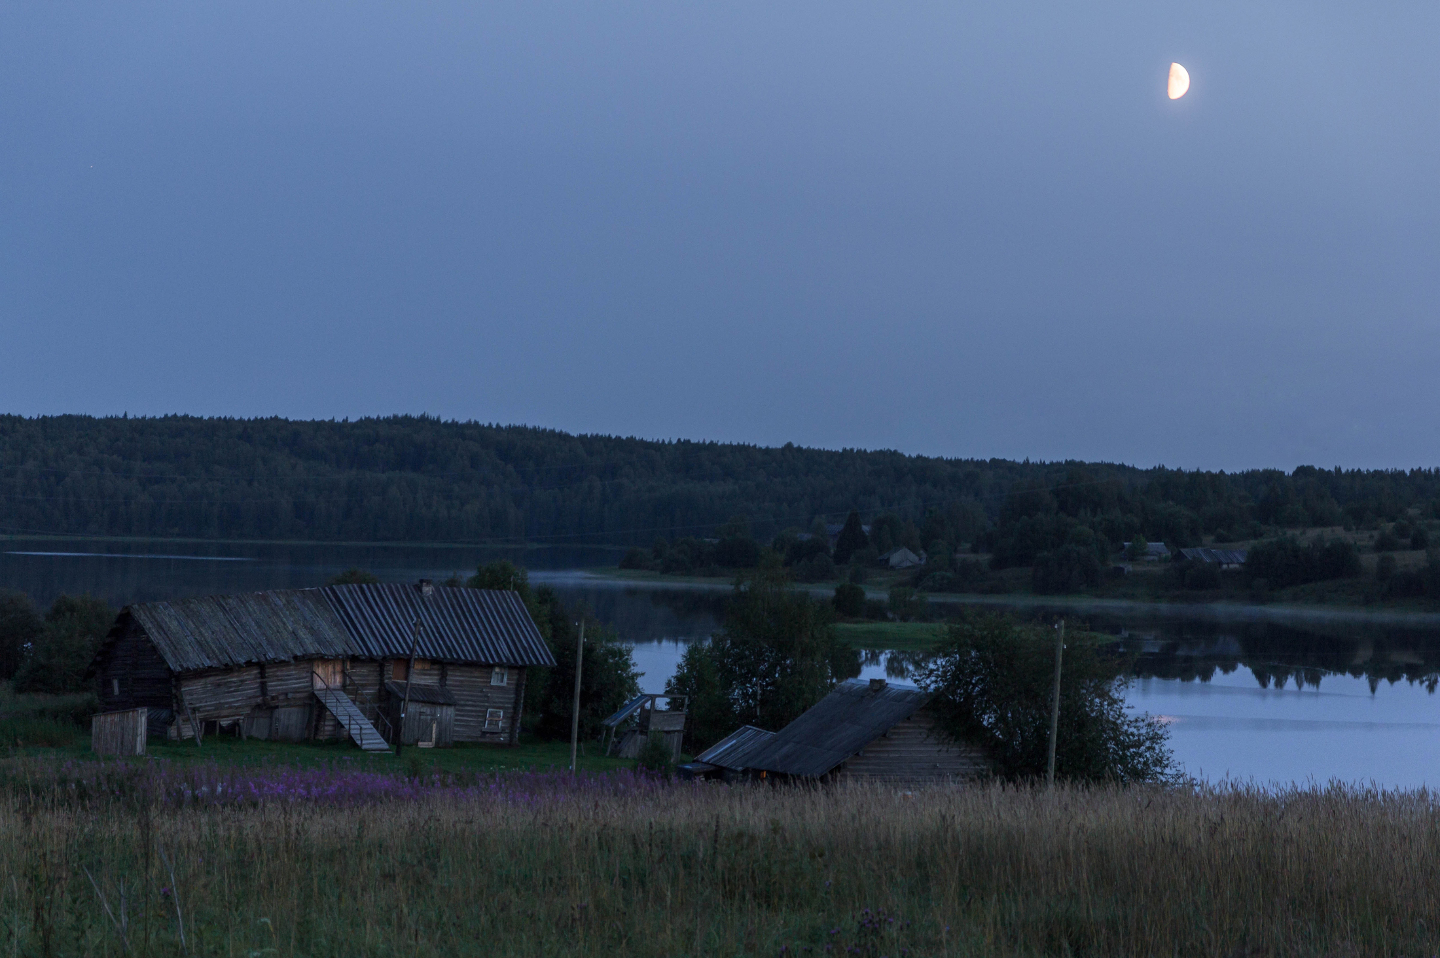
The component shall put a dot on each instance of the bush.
(849, 600)
(817, 568)
(635, 558)
(38, 732)
(1385, 568)
(992, 684)
(1387, 541)
(56, 661)
(907, 604)
(1067, 569)
(1420, 538)
(20, 625)
(1201, 575)
(655, 755)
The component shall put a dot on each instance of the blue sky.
(954, 229)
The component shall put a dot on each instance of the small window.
(500, 677)
(494, 719)
(115, 687)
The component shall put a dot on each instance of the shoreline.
(1279, 612)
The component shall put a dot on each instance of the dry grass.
(716, 870)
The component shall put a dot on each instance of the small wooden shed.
(629, 728)
(119, 733)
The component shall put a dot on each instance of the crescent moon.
(1179, 81)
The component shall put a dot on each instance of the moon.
(1179, 81)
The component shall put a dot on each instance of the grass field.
(535, 865)
(897, 636)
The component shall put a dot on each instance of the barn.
(326, 663)
(862, 731)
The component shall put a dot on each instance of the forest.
(422, 479)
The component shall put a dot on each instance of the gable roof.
(360, 621)
(839, 725)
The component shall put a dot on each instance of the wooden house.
(326, 663)
(627, 731)
(861, 731)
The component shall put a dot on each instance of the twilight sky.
(955, 229)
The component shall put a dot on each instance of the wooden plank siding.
(134, 675)
(915, 752)
(276, 699)
(475, 696)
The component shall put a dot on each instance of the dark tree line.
(422, 479)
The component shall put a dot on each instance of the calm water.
(1250, 700)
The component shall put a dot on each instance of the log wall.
(475, 695)
(915, 752)
(134, 675)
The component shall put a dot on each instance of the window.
(500, 677)
(494, 720)
(115, 687)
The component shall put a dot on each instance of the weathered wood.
(119, 733)
(475, 695)
(915, 751)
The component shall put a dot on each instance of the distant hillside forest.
(422, 479)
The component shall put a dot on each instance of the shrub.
(849, 600)
(907, 603)
(817, 568)
(1201, 575)
(32, 731)
(655, 755)
(993, 683)
(1385, 567)
(56, 661)
(634, 558)
(1067, 569)
(1387, 541)
(1420, 538)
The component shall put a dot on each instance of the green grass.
(896, 636)
(659, 872)
(460, 758)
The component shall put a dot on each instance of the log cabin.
(327, 663)
(862, 731)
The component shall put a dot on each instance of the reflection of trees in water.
(1281, 655)
(1278, 656)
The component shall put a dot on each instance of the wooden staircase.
(365, 735)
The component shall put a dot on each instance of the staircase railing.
(379, 718)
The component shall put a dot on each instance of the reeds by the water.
(538, 865)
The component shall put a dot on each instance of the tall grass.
(624, 865)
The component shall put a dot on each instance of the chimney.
(877, 685)
(427, 588)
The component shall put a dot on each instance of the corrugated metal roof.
(457, 625)
(734, 750)
(1221, 556)
(359, 621)
(841, 724)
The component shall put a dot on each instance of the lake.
(1245, 696)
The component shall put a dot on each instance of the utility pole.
(409, 677)
(575, 710)
(1055, 706)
